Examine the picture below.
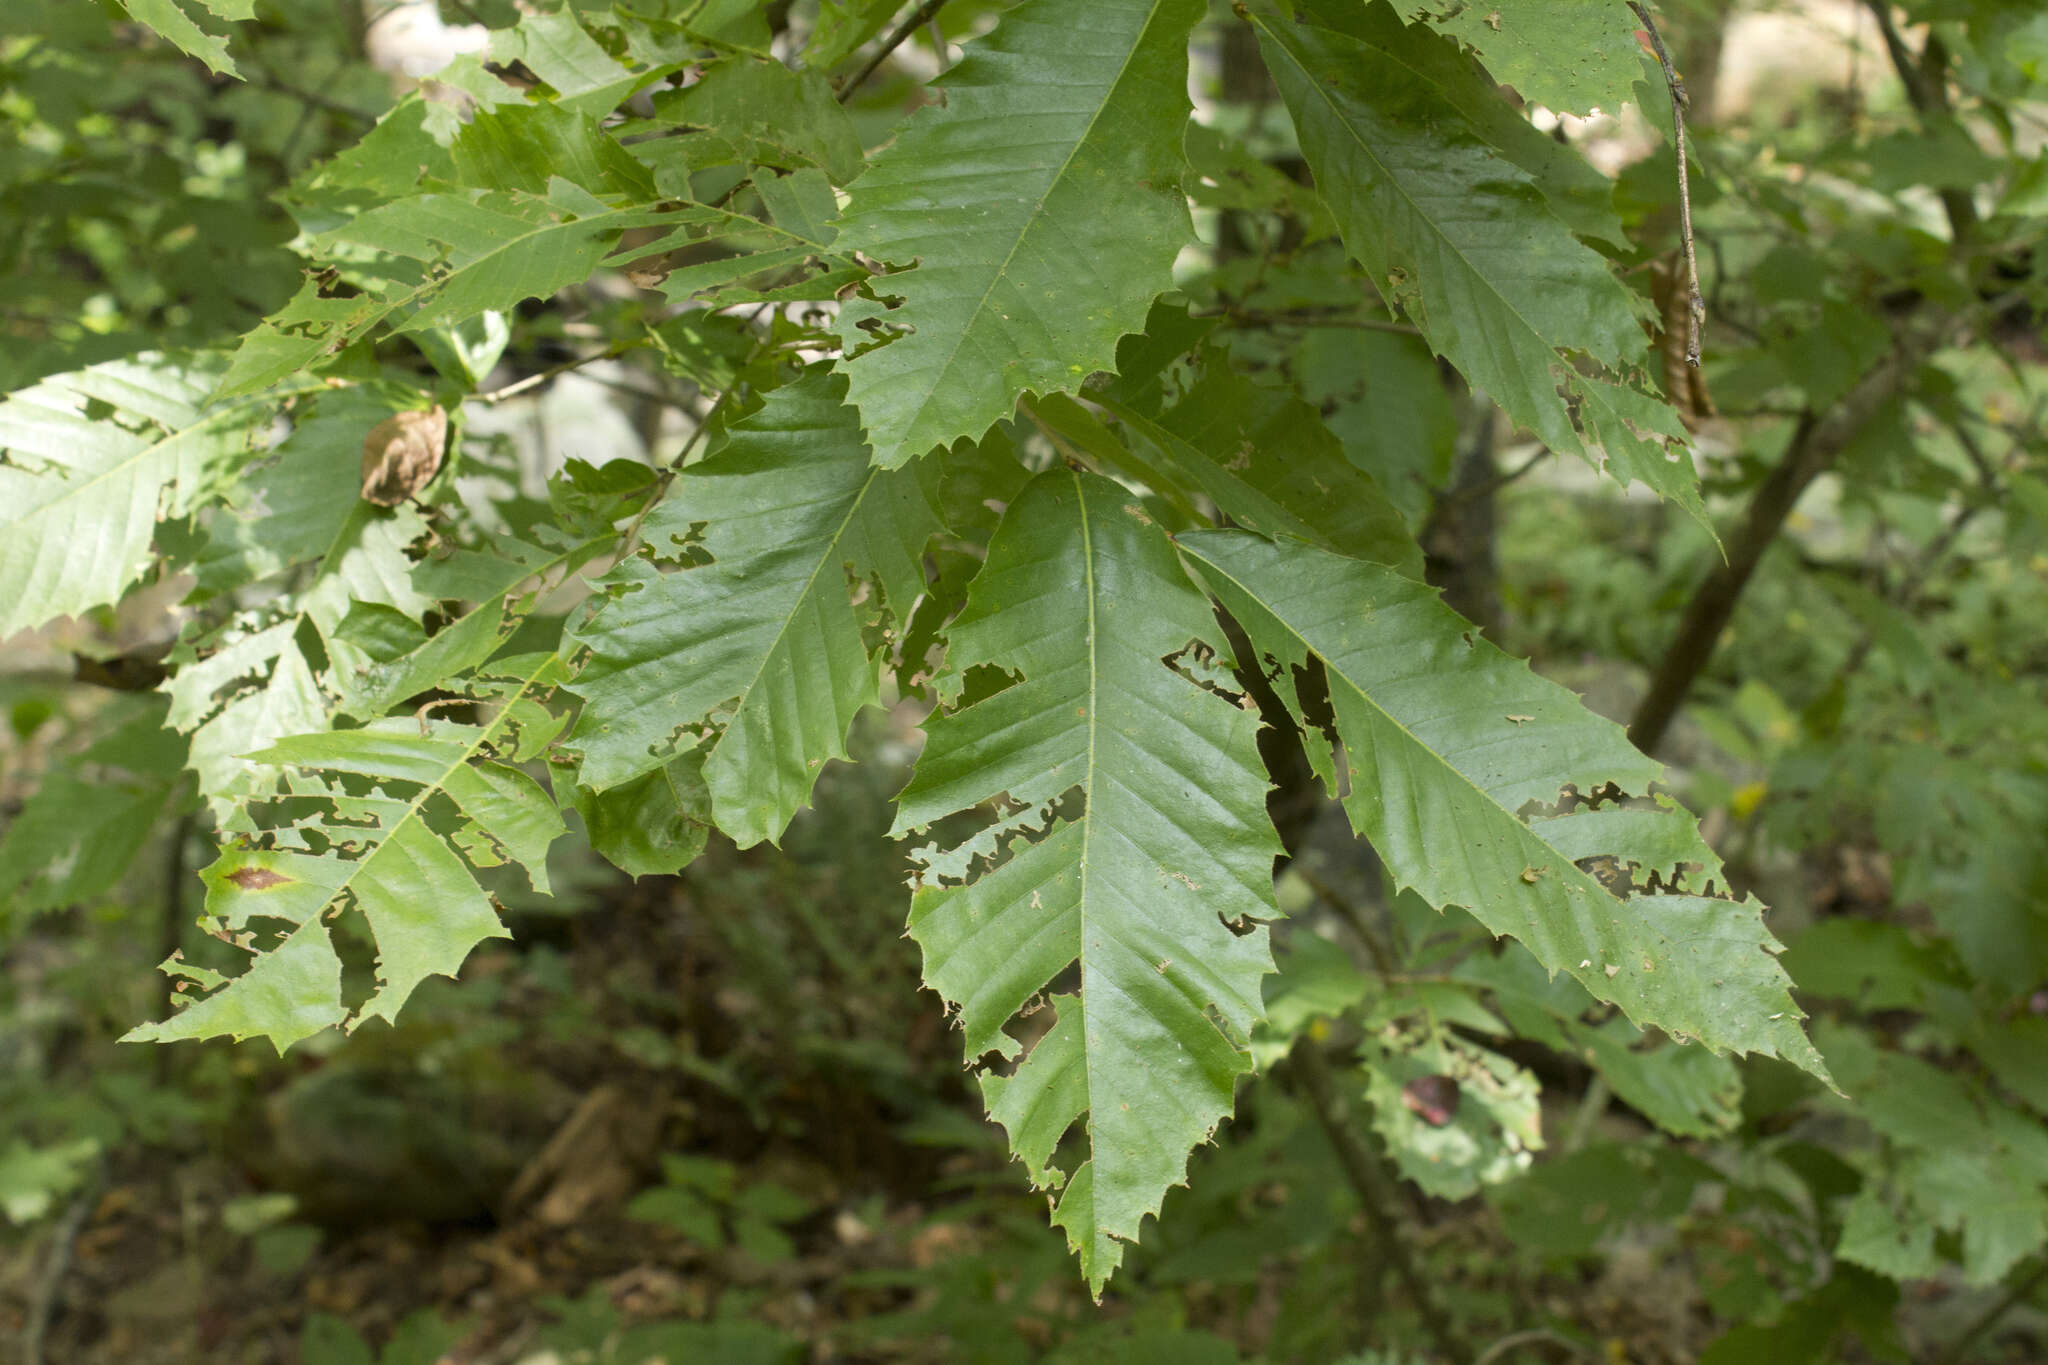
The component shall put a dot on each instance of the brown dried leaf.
(402, 453)
(1433, 1099)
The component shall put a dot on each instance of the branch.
(1254, 319)
(1457, 497)
(1352, 914)
(1959, 1349)
(1516, 1340)
(1927, 91)
(1695, 305)
(1812, 449)
(43, 1304)
(534, 381)
(1361, 1170)
(919, 17)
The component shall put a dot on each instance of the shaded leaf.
(1460, 238)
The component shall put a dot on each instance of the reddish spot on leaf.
(1433, 1098)
(257, 878)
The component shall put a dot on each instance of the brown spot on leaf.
(402, 453)
(257, 878)
(1434, 1099)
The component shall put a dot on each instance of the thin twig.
(1695, 306)
(1459, 496)
(1814, 444)
(1960, 1347)
(534, 381)
(1361, 1170)
(696, 438)
(44, 1304)
(267, 80)
(921, 16)
(1530, 1338)
(1929, 98)
(1317, 320)
(1352, 914)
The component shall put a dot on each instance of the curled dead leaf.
(402, 453)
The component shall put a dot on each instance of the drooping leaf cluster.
(976, 415)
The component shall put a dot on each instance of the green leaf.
(1577, 193)
(1966, 1163)
(176, 27)
(89, 463)
(1891, 1240)
(1154, 888)
(763, 645)
(76, 834)
(467, 255)
(843, 25)
(1572, 56)
(1687, 1091)
(796, 232)
(385, 850)
(765, 112)
(1460, 238)
(1488, 1135)
(524, 146)
(1450, 745)
(555, 47)
(654, 825)
(249, 682)
(1058, 213)
(31, 1178)
(1268, 462)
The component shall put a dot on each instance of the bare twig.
(1362, 1171)
(44, 1303)
(1529, 1338)
(1926, 90)
(1352, 914)
(1696, 306)
(1252, 319)
(696, 438)
(312, 99)
(1457, 497)
(1813, 448)
(921, 16)
(534, 381)
(1959, 1349)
